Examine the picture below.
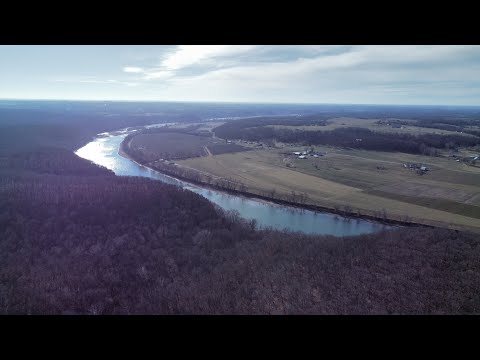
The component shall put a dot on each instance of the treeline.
(185, 173)
(83, 115)
(293, 197)
(28, 129)
(123, 245)
(457, 124)
(189, 130)
(233, 129)
(20, 138)
(234, 185)
(351, 137)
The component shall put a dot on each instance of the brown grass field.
(366, 182)
(447, 195)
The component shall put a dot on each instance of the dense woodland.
(351, 137)
(117, 245)
(76, 239)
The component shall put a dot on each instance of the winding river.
(103, 150)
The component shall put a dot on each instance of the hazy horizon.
(430, 75)
(235, 102)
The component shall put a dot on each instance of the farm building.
(418, 167)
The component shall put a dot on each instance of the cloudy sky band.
(444, 75)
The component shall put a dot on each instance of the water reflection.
(104, 151)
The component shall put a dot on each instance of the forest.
(76, 239)
(101, 244)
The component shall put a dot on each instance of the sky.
(332, 74)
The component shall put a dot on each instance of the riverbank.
(173, 172)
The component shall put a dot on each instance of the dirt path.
(207, 150)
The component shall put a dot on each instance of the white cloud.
(337, 74)
(186, 55)
(351, 76)
(93, 80)
(132, 69)
(155, 74)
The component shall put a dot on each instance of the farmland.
(373, 125)
(379, 183)
(172, 146)
(383, 184)
(350, 180)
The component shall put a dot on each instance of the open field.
(172, 145)
(370, 124)
(363, 181)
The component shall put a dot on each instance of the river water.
(104, 151)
